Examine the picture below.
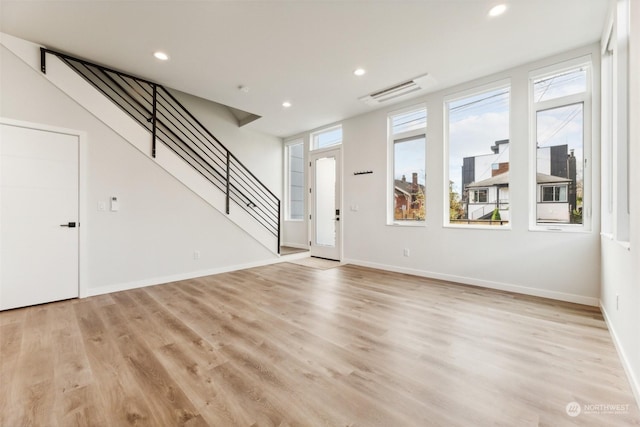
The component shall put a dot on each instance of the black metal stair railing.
(170, 123)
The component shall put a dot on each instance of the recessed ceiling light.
(161, 56)
(498, 10)
(286, 104)
(359, 72)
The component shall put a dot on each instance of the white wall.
(295, 234)
(620, 297)
(262, 154)
(161, 223)
(562, 265)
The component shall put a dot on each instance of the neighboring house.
(552, 198)
(481, 167)
(409, 199)
(486, 184)
(483, 197)
(552, 201)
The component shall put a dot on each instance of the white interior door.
(326, 204)
(38, 216)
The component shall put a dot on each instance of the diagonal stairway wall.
(161, 222)
(63, 77)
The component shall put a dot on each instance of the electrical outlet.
(196, 255)
(407, 252)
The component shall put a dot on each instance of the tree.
(456, 208)
(420, 201)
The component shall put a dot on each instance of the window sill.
(561, 229)
(624, 244)
(407, 224)
(478, 227)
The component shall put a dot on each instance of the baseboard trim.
(561, 296)
(633, 380)
(118, 287)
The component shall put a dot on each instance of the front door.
(326, 204)
(38, 216)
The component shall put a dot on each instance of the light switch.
(115, 205)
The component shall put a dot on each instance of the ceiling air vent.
(398, 91)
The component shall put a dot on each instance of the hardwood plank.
(120, 397)
(186, 357)
(166, 400)
(10, 344)
(289, 345)
(32, 394)
(73, 378)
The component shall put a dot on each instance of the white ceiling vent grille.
(401, 90)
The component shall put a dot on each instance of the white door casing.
(326, 204)
(39, 204)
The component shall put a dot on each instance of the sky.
(475, 124)
(477, 121)
(409, 154)
(563, 125)
(410, 157)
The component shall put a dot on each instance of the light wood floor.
(288, 345)
(288, 250)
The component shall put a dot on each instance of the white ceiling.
(304, 51)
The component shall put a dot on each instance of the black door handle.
(69, 224)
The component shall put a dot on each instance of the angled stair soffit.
(243, 117)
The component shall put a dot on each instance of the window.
(561, 106)
(615, 172)
(478, 196)
(478, 157)
(326, 138)
(560, 85)
(554, 193)
(294, 206)
(407, 149)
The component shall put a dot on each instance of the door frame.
(312, 192)
(82, 190)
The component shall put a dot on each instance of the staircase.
(170, 127)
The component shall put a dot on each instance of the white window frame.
(534, 107)
(314, 135)
(616, 209)
(287, 185)
(476, 90)
(391, 141)
(607, 69)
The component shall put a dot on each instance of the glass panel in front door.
(325, 202)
